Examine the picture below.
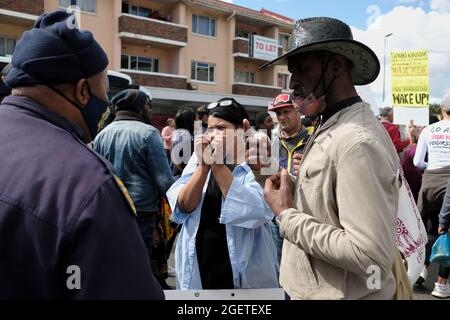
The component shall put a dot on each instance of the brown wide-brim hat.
(334, 36)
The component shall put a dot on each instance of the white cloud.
(413, 29)
(229, 1)
(420, 3)
(440, 5)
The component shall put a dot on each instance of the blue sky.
(415, 24)
(353, 12)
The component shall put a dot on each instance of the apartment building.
(187, 52)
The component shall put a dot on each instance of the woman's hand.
(203, 149)
(219, 144)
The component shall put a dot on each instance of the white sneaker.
(441, 291)
(171, 272)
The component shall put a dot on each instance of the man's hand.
(297, 158)
(278, 192)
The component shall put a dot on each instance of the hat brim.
(366, 65)
(281, 106)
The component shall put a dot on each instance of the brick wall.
(34, 7)
(240, 46)
(152, 28)
(249, 90)
(151, 80)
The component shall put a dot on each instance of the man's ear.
(338, 65)
(82, 95)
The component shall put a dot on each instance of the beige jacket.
(344, 225)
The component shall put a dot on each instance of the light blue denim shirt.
(246, 215)
(137, 153)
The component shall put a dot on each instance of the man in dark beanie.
(68, 228)
(264, 121)
(136, 150)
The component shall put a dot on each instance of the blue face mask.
(92, 111)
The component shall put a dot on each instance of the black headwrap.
(234, 113)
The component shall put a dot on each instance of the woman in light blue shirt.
(225, 241)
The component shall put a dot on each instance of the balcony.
(152, 31)
(241, 51)
(257, 90)
(241, 45)
(157, 79)
(30, 7)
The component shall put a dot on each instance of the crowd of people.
(111, 202)
(425, 158)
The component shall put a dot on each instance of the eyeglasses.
(224, 103)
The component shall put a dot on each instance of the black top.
(211, 242)
(332, 110)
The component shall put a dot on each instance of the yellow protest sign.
(410, 80)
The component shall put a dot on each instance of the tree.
(435, 109)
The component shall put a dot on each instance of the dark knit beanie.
(260, 117)
(55, 51)
(130, 100)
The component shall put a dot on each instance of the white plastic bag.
(411, 233)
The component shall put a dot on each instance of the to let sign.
(264, 48)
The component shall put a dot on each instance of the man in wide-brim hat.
(341, 224)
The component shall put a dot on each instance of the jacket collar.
(128, 115)
(329, 118)
(331, 111)
(328, 124)
(40, 111)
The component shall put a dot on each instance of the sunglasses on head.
(224, 103)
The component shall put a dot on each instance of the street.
(419, 294)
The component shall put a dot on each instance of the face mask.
(92, 111)
(310, 103)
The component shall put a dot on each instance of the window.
(202, 71)
(144, 12)
(85, 5)
(246, 77)
(283, 41)
(203, 25)
(139, 63)
(136, 10)
(7, 46)
(243, 34)
(283, 81)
